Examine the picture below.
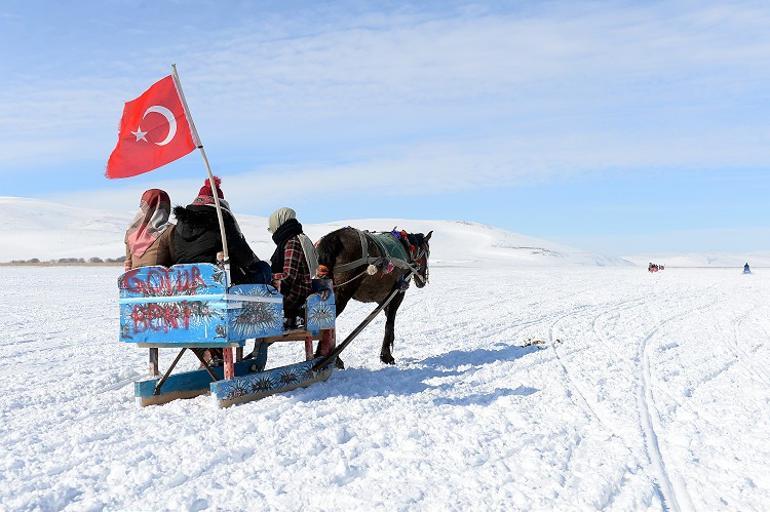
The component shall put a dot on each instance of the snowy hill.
(32, 228)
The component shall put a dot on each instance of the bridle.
(420, 263)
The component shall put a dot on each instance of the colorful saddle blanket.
(392, 247)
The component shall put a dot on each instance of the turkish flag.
(154, 131)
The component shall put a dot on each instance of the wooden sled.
(190, 307)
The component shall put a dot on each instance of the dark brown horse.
(348, 253)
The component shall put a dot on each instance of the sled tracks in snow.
(671, 487)
(758, 372)
(588, 407)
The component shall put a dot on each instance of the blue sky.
(623, 127)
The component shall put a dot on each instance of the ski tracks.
(672, 487)
(573, 383)
(756, 371)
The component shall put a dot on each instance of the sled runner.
(190, 307)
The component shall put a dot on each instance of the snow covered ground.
(650, 392)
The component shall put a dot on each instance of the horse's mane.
(416, 239)
(328, 248)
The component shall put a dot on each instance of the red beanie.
(205, 190)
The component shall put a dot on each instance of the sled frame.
(169, 386)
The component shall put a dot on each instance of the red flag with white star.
(154, 131)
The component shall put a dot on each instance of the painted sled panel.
(198, 322)
(320, 314)
(189, 305)
(254, 311)
(187, 279)
(269, 382)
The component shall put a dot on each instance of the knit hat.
(205, 190)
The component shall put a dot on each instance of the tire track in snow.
(744, 357)
(573, 384)
(672, 489)
(587, 405)
(622, 306)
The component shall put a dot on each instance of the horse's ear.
(427, 237)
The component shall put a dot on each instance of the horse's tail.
(329, 247)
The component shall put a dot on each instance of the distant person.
(148, 238)
(294, 261)
(197, 238)
(746, 268)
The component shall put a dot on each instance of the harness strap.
(365, 259)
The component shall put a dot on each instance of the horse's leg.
(387, 343)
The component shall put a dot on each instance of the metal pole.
(199, 144)
(163, 379)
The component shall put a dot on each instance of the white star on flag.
(140, 135)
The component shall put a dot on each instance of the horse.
(349, 257)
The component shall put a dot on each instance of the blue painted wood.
(186, 279)
(197, 380)
(320, 314)
(255, 311)
(192, 321)
(268, 382)
(189, 304)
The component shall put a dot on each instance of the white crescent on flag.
(169, 117)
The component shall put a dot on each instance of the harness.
(381, 261)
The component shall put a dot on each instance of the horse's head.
(420, 258)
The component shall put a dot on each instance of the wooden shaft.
(214, 193)
(337, 351)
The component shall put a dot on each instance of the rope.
(349, 280)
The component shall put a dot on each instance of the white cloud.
(433, 169)
(558, 89)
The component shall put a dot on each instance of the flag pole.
(214, 192)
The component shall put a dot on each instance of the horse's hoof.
(387, 359)
(339, 364)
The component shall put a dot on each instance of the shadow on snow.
(411, 377)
